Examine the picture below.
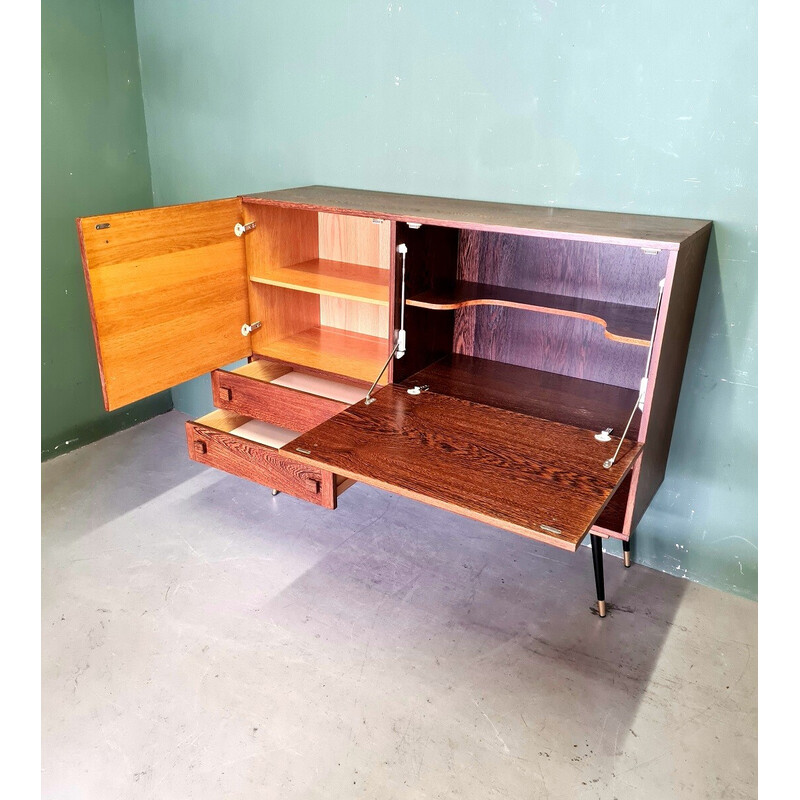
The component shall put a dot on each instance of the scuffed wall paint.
(618, 106)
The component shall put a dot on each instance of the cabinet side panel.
(168, 295)
(666, 374)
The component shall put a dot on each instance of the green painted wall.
(622, 106)
(94, 160)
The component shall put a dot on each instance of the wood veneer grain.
(539, 479)
(209, 442)
(168, 294)
(621, 323)
(604, 226)
(559, 398)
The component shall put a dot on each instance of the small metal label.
(300, 450)
(550, 530)
(102, 226)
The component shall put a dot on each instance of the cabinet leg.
(626, 553)
(275, 492)
(599, 582)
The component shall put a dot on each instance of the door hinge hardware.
(604, 435)
(415, 226)
(248, 329)
(240, 229)
(651, 251)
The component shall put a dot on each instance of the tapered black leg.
(626, 552)
(599, 582)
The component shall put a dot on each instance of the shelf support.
(399, 348)
(608, 463)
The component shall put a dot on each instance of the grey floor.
(202, 639)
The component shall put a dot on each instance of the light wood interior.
(319, 284)
(168, 293)
(255, 430)
(285, 375)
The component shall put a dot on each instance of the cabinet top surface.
(603, 226)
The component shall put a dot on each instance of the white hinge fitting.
(248, 329)
(240, 229)
(415, 226)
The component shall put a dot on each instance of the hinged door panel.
(168, 295)
(537, 478)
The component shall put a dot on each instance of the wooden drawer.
(267, 390)
(212, 440)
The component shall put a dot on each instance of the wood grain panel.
(621, 323)
(564, 223)
(298, 411)
(333, 351)
(168, 295)
(356, 317)
(210, 443)
(539, 479)
(282, 312)
(588, 270)
(333, 279)
(559, 398)
(666, 370)
(357, 240)
(546, 342)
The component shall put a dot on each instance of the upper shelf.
(333, 279)
(623, 323)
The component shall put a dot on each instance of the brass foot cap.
(626, 557)
(601, 607)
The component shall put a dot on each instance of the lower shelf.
(559, 398)
(354, 355)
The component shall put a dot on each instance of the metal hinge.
(248, 329)
(650, 251)
(240, 229)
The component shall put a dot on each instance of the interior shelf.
(622, 323)
(355, 355)
(334, 279)
(546, 395)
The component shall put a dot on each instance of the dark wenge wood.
(666, 232)
(680, 308)
(609, 273)
(540, 479)
(548, 342)
(559, 398)
(613, 517)
(622, 323)
(431, 262)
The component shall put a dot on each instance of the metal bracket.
(240, 229)
(604, 435)
(650, 251)
(415, 226)
(248, 329)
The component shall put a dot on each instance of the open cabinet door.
(168, 295)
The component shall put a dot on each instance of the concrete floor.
(202, 639)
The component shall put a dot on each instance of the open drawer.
(248, 448)
(541, 479)
(280, 394)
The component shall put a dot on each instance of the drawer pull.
(225, 394)
(200, 447)
(313, 484)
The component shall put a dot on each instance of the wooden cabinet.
(527, 333)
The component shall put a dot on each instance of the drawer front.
(278, 405)
(261, 464)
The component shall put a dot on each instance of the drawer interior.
(248, 428)
(280, 374)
